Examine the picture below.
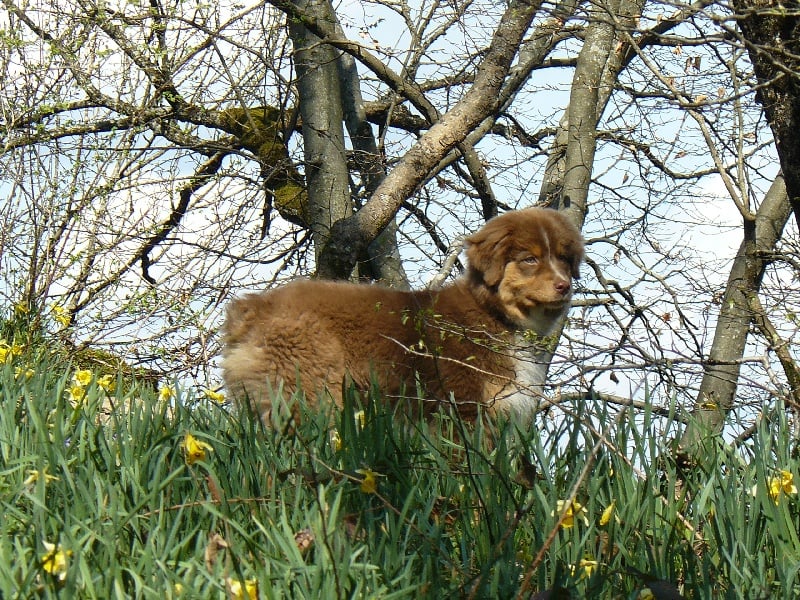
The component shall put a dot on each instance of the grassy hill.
(110, 489)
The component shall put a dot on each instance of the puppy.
(476, 343)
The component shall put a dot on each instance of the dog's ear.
(486, 252)
(576, 258)
(570, 243)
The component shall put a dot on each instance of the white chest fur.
(520, 399)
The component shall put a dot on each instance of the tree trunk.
(565, 185)
(323, 134)
(385, 264)
(718, 387)
(772, 36)
(568, 172)
(352, 235)
(584, 113)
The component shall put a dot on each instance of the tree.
(323, 133)
(478, 103)
(771, 35)
(159, 158)
(715, 399)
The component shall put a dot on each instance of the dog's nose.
(562, 287)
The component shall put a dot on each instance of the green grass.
(288, 508)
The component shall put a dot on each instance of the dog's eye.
(530, 260)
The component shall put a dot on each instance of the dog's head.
(524, 262)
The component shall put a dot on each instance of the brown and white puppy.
(472, 342)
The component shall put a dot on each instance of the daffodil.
(24, 372)
(34, 476)
(783, 483)
(572, 511)
(54, 561)
(248, 591)
(107, 383)
(584, 568)
(361, 419)
(166, 393)
(83, 377)
(369, 484)
(61, 315)
(21, 308)
(8, 351)
(215, 396)
(336, 440)
(194, 449)
(77, 394)
(605, 518)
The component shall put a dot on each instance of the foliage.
(102, 502)
(34, 334)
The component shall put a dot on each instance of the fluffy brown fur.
(470, 340)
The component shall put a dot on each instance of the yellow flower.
(607, 513)
(361, 419)
(77, 394)
(783, 483)
(5, 351)
(107, 382)
(215, 396)
(55, 560)
(166, 393)
(178, 589)
(336, 440)
(572, 511)
(24, 372)
(194, 449)
(584, 568)
(369, 485)
(61, 315)
(83, 377)
(646, 594)
(21, 308)
(238, 592)
(33, 477)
